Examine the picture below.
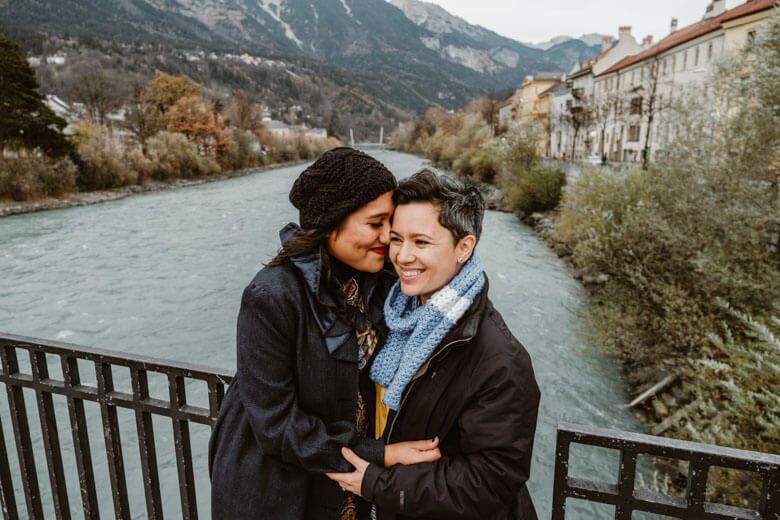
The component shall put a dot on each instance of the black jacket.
(479, 395)
(291, 406)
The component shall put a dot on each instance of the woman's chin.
(409, 291)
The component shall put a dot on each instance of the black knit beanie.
(338, 183)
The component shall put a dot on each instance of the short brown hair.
(461, 206)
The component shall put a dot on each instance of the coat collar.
(324, 305)
(468, 325)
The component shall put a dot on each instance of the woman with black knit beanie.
(307, 327)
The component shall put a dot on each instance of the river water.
(162, 274)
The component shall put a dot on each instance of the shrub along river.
(162, 274)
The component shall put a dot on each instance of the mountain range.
(405, 53)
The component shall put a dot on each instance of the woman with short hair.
(450, 368)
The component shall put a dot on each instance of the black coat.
(477, 393)
(291, 406)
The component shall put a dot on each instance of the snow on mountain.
(590, 39)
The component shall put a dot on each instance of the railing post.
(7, 497)
(32, 495)
(626, 483)
(561, 475)
(51, 438)
(146, 446)
(770, 499)
(696, 487)
(116, 465)
(83, 452)
(181, 439)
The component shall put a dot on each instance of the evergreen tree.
(24, 117)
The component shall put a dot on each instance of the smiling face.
(425, 253)
(361, 239)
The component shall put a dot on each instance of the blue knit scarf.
(415, 332)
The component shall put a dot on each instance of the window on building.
(569, 103)
(709, 51)
(666, 68)
(642, 74)
(633, 133)
(636, 106)
(751, 37)
(685, 60)
(696, 60)
(674, 63)
(633, 77)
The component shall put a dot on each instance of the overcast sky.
(539, 20)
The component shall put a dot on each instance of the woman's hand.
(412, 452)
(350, 481)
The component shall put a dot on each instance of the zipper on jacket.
(445, 348)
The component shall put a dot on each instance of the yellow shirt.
(382, 411)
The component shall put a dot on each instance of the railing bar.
(111, 357)
(666, 447)
(651, 502)
(21, 429)
(216, 395)
(146, 446)
(192, 413)
(80, 432)
(561, 475)
(696, 487)
(626, 484)
(116, 466)
(181, 435)
(770, 496)
(51, 439)
(7, 497)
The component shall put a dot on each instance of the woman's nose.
(384, 235)
(404, 254)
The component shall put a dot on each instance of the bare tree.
(651, 104)
(578, 116)
(243, 113)
(607, 109)
(98, 90)
(143, 118)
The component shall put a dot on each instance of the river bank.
(86, 198)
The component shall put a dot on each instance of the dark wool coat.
(291, 406)
(477, 393)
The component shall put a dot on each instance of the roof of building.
(551, 88)
(547, 76)
(693, 31)
(592, 61)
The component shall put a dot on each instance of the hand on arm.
(411, 452)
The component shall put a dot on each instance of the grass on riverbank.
(466, 143)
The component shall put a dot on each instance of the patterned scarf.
(415, 332)
(367, 341)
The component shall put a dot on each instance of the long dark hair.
(302, 243)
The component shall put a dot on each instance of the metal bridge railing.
(74, 388)
(76, 391)
(627, 499)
